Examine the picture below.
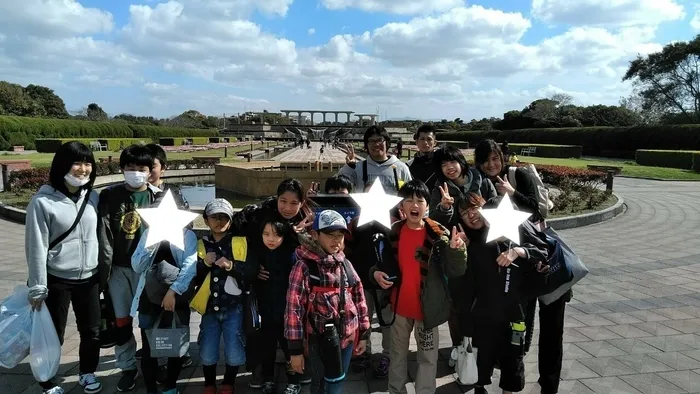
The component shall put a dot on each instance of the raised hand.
(349, 153)
(402, 214)
(307, 222)
(313, 189)
(447, 200)
(503, 186)
(459, 238)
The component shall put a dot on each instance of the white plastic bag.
(15, 328)
(45, 349)
(467, 372)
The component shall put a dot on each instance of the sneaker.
(268, 388)
(128, 380)
(162, 374)
(90, 383)
(209, 390)
(226, 389)
(186, 361)
(55, 390)
(139, 354)
(382, 371)
(305, 377)
(293, 389)
(453, 357)
(256, 381)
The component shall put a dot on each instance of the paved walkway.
(313, 154)
(633, 327)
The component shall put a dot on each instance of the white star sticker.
(504, 221)
(166, 222)
(375, 205)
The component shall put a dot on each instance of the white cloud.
(401, 7)
(695, 21)
(607, 12)
(311, 31)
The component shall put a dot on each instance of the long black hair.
(68, 154)
(449, 153)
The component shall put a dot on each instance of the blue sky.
(429, 59)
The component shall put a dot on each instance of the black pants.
(149, 365)
(493, 341)
(551, 345)
(85, 297)
(267, 338)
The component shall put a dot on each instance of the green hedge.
(51, 145)
(457, 144)
(550, 150)
(683, 159)
(18, 130)
(696, 162)
(620, 142)
(170, 141)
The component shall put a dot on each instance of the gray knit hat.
(219, 205)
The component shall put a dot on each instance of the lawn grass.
(44, 159)
(629, 168)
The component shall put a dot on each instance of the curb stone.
(589, 218)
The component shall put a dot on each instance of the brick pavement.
(633, 326)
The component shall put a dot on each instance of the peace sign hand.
(313, 189)
(459, 238)
(503, 186)
(307, 222)
(447, 200)
(349, 153)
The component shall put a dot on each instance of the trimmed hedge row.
(19, 130)
(51, 145)
(549, 150)
(620, 142)
(181, 141)
(696, 162)
(683, 159)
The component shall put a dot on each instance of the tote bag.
(168, 342)
(573, 263)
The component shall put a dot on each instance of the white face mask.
(75, 181)
(135, 179)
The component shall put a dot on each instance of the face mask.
(75, 181)
(135, 179)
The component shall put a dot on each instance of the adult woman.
(61, 251)
(489, 159)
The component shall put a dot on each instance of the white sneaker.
(90, 383)
(55, 390)
(453, 358)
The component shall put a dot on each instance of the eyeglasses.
(375, 141)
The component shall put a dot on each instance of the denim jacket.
(186, 260)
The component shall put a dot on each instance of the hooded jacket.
(382, 171)
(438, 262)
(298, 320)
(476, 182)
(51, 213)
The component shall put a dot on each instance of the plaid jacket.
(304, 310)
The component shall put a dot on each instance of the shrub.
(696, 162)
(178, 141)
(596, 141)
(549, 150)
(18, 130)
(666, 158)
(51, 145)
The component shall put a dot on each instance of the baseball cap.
(219, 205)
(330, 220)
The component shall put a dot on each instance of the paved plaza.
(633, 326)
(313, 154)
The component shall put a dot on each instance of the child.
(322, 279)
(221, 255)
(422, 255)
(275, 262)
(497, 291)
(175, 301)
(160, 164)
(119, 230)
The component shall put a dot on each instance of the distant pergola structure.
(312, 112)
(372, 119)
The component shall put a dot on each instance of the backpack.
(545, 204)
(316, 288)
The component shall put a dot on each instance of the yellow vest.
(239, 246)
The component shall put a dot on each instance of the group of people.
(301, 272)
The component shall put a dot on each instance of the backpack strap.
(201, 250)
(364, 173)
(511, 176)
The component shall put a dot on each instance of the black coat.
(272, 293)
(480, 293)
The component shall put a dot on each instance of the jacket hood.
(310, 249)
(392, 160)
(48, 190)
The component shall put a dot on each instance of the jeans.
(315, 362)
(213, 324)
(85, 297)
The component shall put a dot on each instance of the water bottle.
(330, 351)
(517, 338)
